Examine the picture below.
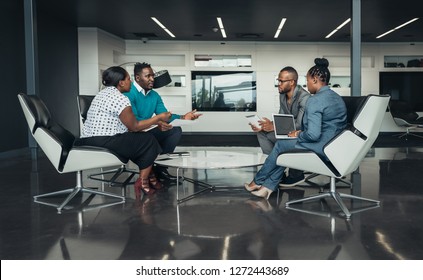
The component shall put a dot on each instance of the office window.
(223, 91)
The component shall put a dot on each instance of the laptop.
(283, 124)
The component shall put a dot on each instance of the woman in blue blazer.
(324, 117)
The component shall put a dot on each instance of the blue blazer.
(324, 117)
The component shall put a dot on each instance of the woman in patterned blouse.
(111, 124)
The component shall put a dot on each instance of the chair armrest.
(88, 157)
(304, 160)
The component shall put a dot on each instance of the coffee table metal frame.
(208, 160)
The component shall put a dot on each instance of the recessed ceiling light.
(163, 27)
(280, 28)
(222, 28)
(339, 27)
(396, 28)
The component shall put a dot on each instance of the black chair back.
(42, 118)
(84, 103)
(38, 110)
(353, 103)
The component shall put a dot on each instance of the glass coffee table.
(206, 160)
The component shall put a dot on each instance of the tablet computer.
(283, 123)
(254, 120)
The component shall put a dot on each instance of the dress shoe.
(164, 174)
(249, 188)
(262, 192)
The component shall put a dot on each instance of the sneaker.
(291, 181)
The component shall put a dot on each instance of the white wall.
(99, 50)
(96, 50)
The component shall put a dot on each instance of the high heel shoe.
(144, 186)
(154, 182)
(251, 188)
(262, 192)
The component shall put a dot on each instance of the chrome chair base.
(73, 192)
(336, 196)
(407, 133)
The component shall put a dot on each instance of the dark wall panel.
(14, 131)
(58, 68)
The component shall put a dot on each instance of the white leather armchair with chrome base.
(57, 143)
(345, 152)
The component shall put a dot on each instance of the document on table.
(150, 128)
(178, 154)
(173, 155)
(181, 122)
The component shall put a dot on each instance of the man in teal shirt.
(146, 103)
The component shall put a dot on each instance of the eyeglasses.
(283, 81)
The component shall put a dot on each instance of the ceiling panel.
(248, 20)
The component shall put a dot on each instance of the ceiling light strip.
(337, 29)
(280, 28)
(222, 28)
(163, 27)
(396, 28)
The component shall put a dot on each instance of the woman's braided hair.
(320, 70)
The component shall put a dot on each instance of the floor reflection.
(93, 235)
(229, 224)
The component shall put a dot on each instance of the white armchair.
(345, 152)
(57, 143)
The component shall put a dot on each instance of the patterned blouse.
(103, 114)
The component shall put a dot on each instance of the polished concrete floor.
(225, 224)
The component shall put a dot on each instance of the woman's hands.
(164, 126)
(294, 133)
(163, 118)
(128, 119)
